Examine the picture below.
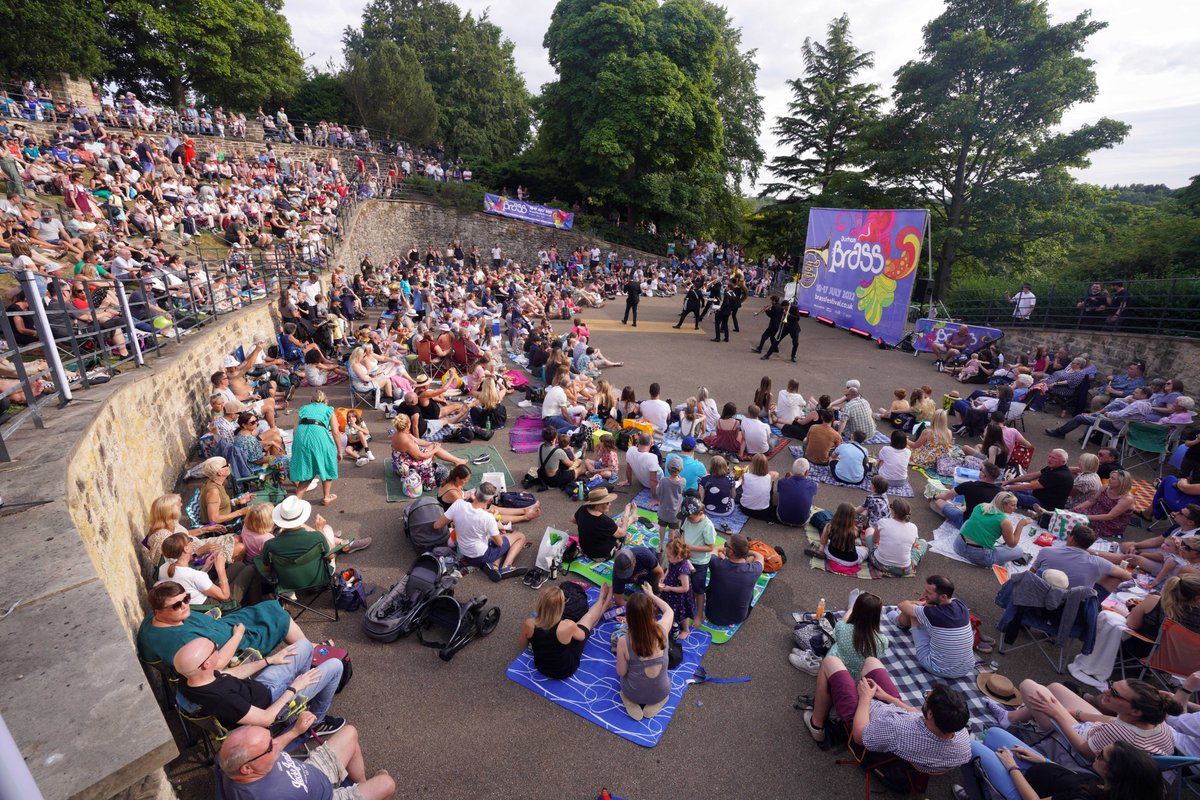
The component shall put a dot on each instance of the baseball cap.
(688, 443)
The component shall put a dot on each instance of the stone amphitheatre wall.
(1164, 356)
(385, 228)
(75, 697)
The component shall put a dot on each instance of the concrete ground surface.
(463, 730)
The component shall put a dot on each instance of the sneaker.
(362, 462)
(539, 579)
(806, 661)
(482, 458)
(524, 404)
(361, 543)
(493, 574)
(329, 726)
(998, 712)
(370, 456)
(818, 734)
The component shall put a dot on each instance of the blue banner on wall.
(528, 212)
(859, 267)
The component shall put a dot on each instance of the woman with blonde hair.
(1110, 511)
(409, 452)
(366, 376)
(935, 442)
(166, 511)
(556, 641)
(1087, 482)
(315, 449)
(758, 483)
(258, 528)
(988, 537)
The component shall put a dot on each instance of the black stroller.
(402, 609)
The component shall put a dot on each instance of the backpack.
(411, 484)
(351, 593)
(575, 601)
(515, 500)
(418, 518)
(535, 394)
(626, 438)
(773, 559)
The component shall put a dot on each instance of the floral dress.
(682, 603)
(431, 473)
(1103, 504)
(927, 455)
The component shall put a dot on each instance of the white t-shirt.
(473, 527)
(757, 434)
(711, 414)
(643, 465)
(656, 412)
(788, 405)
(756, 491)
(1023, 303)
(194, 582)
(555, 402)
(311, 289)
(893, 463)
(895, 540)
(496, 252)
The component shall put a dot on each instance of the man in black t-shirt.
(973, 492)
(1109, 462)
(259, 692)
(409, 407)
(1046, 489)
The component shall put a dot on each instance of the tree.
(237, 53)
(39, 37)
(828, 114)
(738, 101)
(389, 91)
(321, 96)
(483, 105)
(632, 119)
(977, 115)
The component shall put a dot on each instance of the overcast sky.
(1147, 62)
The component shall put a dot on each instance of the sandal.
(328, 501)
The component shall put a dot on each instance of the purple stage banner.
(528, 212)
(859, 267)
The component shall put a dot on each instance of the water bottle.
(580, 491)
(487, 425)
(821, 609)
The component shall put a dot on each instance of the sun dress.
(683, 604)
(313, 452)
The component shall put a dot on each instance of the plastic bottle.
(821, 608)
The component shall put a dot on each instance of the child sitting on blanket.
(676, 587)
(670, 498)
(875, 505)
(899, 405)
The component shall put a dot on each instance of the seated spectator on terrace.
(1047, 488)
(954, 345)
(171, 624)
(256, 766)
(1120, 385)
(796, 494)
(941, 629)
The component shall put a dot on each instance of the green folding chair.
(1149, 440)
(311, 572)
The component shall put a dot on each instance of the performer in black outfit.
(633, 292)
(774, 313)
(788, 326)
(692, 303)
(728, 307)
(738, 289)
(714, 292)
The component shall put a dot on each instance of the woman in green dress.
(315, 449)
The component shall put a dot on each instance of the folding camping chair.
(1016, 415)
(1176, 654)
(1153, 441)
(311, 572)
(1108, 437)
(1043, 625)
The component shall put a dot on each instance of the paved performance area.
(464, 730)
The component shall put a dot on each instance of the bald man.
(254, 766)
(1046, 489)
(259, 692)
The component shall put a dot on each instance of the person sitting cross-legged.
(933, 738)
(254, 766)
(259, 692)
(941, 628)
(480, 543)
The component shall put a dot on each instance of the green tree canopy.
(483, 105)
(632, 120)
(237, 53)
(38, 37)
(829, 111)
(321, 96)
(389, 91)
(976, 117)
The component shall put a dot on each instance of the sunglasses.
(179, 605)
(270, 749)
(1112, 692)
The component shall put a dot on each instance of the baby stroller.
(404, 607)
(449, 626)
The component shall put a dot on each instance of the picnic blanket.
(593, 692)
(735, 521)
(823, 474)
(525, 433)
(644, 533)
(865, 570)
(1143, 495)
(874, 438)
(945, 534)
(775, 450)
(395, 490)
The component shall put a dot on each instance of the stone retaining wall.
(75, 696)
(386, 228)
(1165, 356)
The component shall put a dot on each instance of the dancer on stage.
(788, 326)
(774, 314)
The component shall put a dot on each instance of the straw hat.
(292, 512)
(597, 496)
(999, 688)
(422, 380)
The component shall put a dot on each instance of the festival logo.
(856, 264)
(528, 212)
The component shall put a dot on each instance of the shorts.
(328, 764)
(843, 690)
(699, 578)
(493, 554)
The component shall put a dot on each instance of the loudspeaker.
(921, 289)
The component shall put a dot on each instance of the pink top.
(254, 542)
